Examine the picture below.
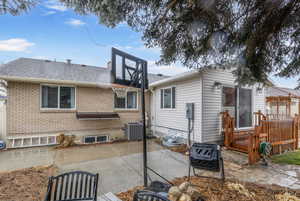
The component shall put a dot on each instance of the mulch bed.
(215, 190)
(28, 184)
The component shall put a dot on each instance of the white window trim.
(126, 109)
(168, 108)
(58, 105)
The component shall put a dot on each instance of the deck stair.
(281, 133)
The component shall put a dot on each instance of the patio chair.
(73, 186)
(148, 196)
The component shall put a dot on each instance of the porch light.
(217, 85)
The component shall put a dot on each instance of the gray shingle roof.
(52, 70)
(60, 71)
(281, 91)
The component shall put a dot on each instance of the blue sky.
(51, 31)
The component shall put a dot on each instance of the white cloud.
(75, 22)
(15, 45)
(52, 12)
(41, 57)
(122, 24)
(166, 69)
(55, 5)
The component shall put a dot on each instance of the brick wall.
(24, 115)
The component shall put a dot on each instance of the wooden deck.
(281, 133)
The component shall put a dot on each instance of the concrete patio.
(120, 165)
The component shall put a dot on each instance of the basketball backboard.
(128, 70)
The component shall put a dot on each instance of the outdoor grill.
(205, 156)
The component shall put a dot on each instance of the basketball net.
(120, 91)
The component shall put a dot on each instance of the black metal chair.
(72, 186)
(148, 196)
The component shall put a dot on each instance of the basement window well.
(96, 139)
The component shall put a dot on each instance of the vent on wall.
(96, 139)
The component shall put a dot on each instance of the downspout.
(153, 104)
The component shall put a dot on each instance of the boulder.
(184, 186)
(185, 197)
(195, 195)
(174, 193)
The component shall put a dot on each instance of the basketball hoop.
(119, 90)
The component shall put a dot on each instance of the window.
(128, 102)
(95, 139)
(57, 97)
(167, 99)
(229, 96)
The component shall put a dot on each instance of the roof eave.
(42, 80)
(176, 78)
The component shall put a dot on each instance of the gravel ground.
(215, 190)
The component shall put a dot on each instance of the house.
(212, 91)
(46, 98)
(282, 102)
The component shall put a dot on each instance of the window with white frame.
(167, 98)
(127, 102)
(57, 97)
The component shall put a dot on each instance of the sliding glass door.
(238, 101)
(245, 108)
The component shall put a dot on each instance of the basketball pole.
(144, 66)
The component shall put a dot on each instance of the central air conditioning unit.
(134, 131)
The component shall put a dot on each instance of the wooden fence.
(281, 133)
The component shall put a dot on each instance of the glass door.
(245, 108)
(238, 102)
(229, 100)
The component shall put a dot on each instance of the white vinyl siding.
(208, 105)
(260, 100)
(172, 121)
(212, 102)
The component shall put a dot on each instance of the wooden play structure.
(281, 133)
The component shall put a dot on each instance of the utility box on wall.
(189, 108)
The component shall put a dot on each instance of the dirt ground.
(26, 184)
(215, 190)
(30, 185)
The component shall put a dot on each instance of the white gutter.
(41, 80)
(179, 77)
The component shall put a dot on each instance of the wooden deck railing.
(281, 133)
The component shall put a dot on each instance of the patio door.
(244, 108)
(238, 101)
